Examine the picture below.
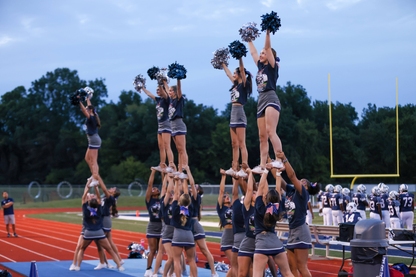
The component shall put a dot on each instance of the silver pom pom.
(89, 92)
(220, 56)
(162, 75)
(139, 82)
(249, 32)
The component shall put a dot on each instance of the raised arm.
(84, 196)
(268, 48)
(222, 188)
(249, 191)
(242, 72)
(170, 181)
(253, 52)
(179, 87)
(148, 93)
(164, 185)
(228, 72)
(191, 182)
(97, 194)
(263, 185)
(150, 185)
(103, 187)
(177, 193)
(84, 110)
(290, 172)
(234, 191)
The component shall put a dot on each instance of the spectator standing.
(8, 211)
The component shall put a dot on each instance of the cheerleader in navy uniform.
(394, 209)
(93, 222)
(164, 130)
(299, 239)
(177, 103)
(266, 214)
(183, 238)
(406, 206)
(239, 229)
(225, 213)
(268, 105)
(197, 229)
(92, 124)
(154, 228)
(241, 89)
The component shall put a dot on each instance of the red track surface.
(44, 240)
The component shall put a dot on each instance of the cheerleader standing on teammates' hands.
(154, 228)
(92, 124)
(225, 212)
(267, 244)
(299, 240)
(197, 229)
(241, 89)
(164, 130)
(183, 238)
(177, 103)
(268, 105)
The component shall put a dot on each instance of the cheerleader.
(299, 240)
(92, 124)
(240, 90)
(176, 106)
(225, 212)
(164, 130)
(197, 229)
(154, 228)
(266, 213)
(183, 238)
(268, 105)
(238, 224)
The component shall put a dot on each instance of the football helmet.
(329, 188)
(361, 188)
(345, 191)
(351, 207)
(394, 195)
(403, 188)
(338, 188)
(375, 191)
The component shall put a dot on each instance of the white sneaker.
(110, 266)
(121, 268)
(148, 273)
(154, 275)
(77, 268)
(277, 164)
(160, 271)
(230, 172)
(93, 183)
(121, 261)
(168, 169)
(214, 275)
(183, 176)
(257, 170)
(72, 267)
(242, 174)
(157, 168)
(100, 266)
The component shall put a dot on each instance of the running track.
(44, 240)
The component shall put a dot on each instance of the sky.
(363, 45)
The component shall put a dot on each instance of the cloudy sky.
(363, 44)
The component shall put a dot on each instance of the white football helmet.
(351, 207)
(345, 191)
(394, 195)
(338, 188)
(403, 188)
(383, 188)
(329, 188)
(375, 191)
(361, 188)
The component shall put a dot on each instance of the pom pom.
(271, 22)
(152, 72)
(78, 96)
(249, 32)
(161, 76)
(220, 56)
(139, 82)
(237, 49)
(176, 71)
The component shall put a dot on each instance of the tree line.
(41, 136)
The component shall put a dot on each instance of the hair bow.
(313, 184)
(184, 211)
(272, 208)
(93, 211)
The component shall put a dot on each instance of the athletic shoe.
(148, 273)
(93, 183)
(176, 173)
(160, 271)
(277, 164)
(214, 275)
(72, 267)
(157, 168)
(110, 266)
(15, 235)
(257, 170)
(230, 172)
(121, 268)
(121, 262)
(242, 174)
(8, 235)
(100, 266)
(183, 176)
(77, 268)
(168, 169)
